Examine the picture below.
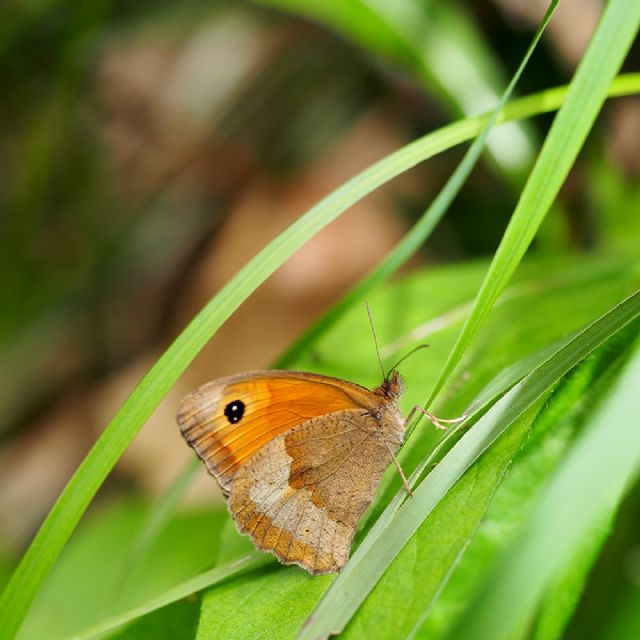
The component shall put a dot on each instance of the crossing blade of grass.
(187, 588)
(587, 92)
(496, 387)
(431, 217)
(589, 483)
(372, 558)
(158, 518)
(626, 84)
(65, 514)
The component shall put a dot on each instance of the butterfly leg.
(405, 482)
(438, 423)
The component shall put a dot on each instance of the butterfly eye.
(234, 411)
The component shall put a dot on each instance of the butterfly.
(298, 456)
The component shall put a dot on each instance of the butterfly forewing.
(228, 420)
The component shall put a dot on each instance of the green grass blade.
(370, 561)
(593, 478)
(429, 219)
(587, 92)
(64, 516)
(157, 519)
(187, 588)
(626, 84)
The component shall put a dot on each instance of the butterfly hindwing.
(302, 495)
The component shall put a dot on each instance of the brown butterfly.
(299, 456)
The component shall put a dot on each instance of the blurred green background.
(149, 149)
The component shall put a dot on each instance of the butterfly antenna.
(375, 339)
(406, 355)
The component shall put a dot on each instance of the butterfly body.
(299, 456)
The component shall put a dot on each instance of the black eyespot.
(234, 411)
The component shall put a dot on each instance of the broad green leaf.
(73, 598)
(589, 483)
(562, 416)
(573, 297)
(518, 328)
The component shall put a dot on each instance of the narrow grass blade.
(433, 214)
(158, 517)
(627, 84)
(590, 482)
(587, 92)
(195, 584)
(370, 560)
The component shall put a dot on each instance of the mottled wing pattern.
(302, 495)
(274, 402)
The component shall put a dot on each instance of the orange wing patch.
(271, 404)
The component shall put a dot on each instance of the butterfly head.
(392, 387)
